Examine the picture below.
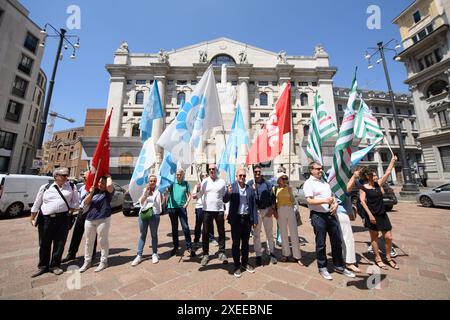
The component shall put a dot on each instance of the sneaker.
(273, 259)
(85, 266)
(223, 258)
(325, 274)
(214, 242)
(393, 252)
(155, 258)
(101, 266)
(279, 243)
(136, 261)
(249, 268)
(57, 271)
(370, 249)
(258, 261)
(237, 272)
(205, 260)
(345, 272)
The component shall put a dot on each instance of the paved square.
(421, 236)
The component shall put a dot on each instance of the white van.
(18, 192)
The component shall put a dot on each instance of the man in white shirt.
(56, 203)
(323, 206)
(212, 191)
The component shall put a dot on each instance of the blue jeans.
(324, 223)
(175, 214)
(151, 224)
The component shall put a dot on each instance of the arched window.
(305, 130)
(436, 88)
(263, 100)
(304, 100)
(181, 97)
(222, 59)
(74, 135)
(139, 97)
(136, 132)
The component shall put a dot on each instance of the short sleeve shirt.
(317, 189)
(178, 194)
(100, 206)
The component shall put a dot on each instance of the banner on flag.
(152, 111)
(145, 161)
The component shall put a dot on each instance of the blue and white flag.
(238, 137)
(197, 116)
(152, 111)
(139, 179)
(167, 172)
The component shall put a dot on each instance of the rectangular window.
(370, 156)
(31, 134)
(7, 140)
(31, 42)
(391, 125)
(314, 84)
(422, 34)
(303, 83)
(181, 82)
(169, 82)
(443, 118)
(193, 82)
(410, 112)
(167, 113)
(252, 114)
(129, 82)
(264, 115)
(141, 81)
(274, 83)
(429, 61)
(20, 87)
(339, 107)
(252, 83)
(445, 158)
(438, 54)
(429, 28)
(415, 38)
(377, 110)
(416, 16)
(388, 110)
(306, 115)
(292, 84)
(384, 157)
(263, 83)
(402, 126)
(294, 115)
(413, 125)
(125, 114)
(234, 83)
(14, 111)
(25, 64)
(137, 114)
(393, 140)
(418, 157)
(36, 111)
(404, 139)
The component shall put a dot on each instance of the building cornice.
(429, 72)
(424, 43)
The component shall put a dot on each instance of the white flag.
(197, 116)
(141, 170)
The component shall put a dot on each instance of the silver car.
(439, 196)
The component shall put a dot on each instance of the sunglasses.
(212, 169)
(257, 171)
(63, 175)
(242, 175)
(320, 169)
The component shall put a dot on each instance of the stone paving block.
(43, 281)
(288, 291)
(107, 285)
(433, 275)
(34, 294)
(320, 287)
(85, 293)
(265, 295)
(230, 294)
(111, 295)
(136, 287)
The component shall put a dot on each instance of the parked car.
(129, 208)
(389, 197)
(18, 192)
(439, 196)
(118, 198)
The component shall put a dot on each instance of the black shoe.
(39, 273)
(258, 261)
(68, 259)
(58, 271)
(173, 252)
(191, 253)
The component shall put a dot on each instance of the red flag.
(269, 141)
(100, 161)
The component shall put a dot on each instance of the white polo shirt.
(317, 189)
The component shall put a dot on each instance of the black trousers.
(324, 223)
(198, 226)
(208, 217)
(77, 236)
(53, 235)
(240, 234)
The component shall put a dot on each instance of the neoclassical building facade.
(252, 77)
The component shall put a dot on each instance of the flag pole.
(389, 146)
(96, 172)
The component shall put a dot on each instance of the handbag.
(146, 215)
(297, 216)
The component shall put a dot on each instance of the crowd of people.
(246, 205)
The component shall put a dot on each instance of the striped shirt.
(50, 202)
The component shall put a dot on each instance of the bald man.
(242, 217)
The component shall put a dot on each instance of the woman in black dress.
(371, 196)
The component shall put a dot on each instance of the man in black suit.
(242, 215)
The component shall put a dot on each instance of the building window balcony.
(14, 111)
(20, 87)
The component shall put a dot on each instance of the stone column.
(159, 124)
(115, 100)
(377, 158)
(243, 101)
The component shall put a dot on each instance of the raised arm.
(109, 184)
(388, 171)
(352, 181)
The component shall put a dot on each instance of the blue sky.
(293, 25)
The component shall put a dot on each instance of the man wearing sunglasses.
(242, 217)
(56, 202)
(323, 207)
(265, 202)
(212, 191)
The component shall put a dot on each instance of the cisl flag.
(269, 142)
(100, 161)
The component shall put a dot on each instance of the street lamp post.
(409, 187)
(63, 38)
